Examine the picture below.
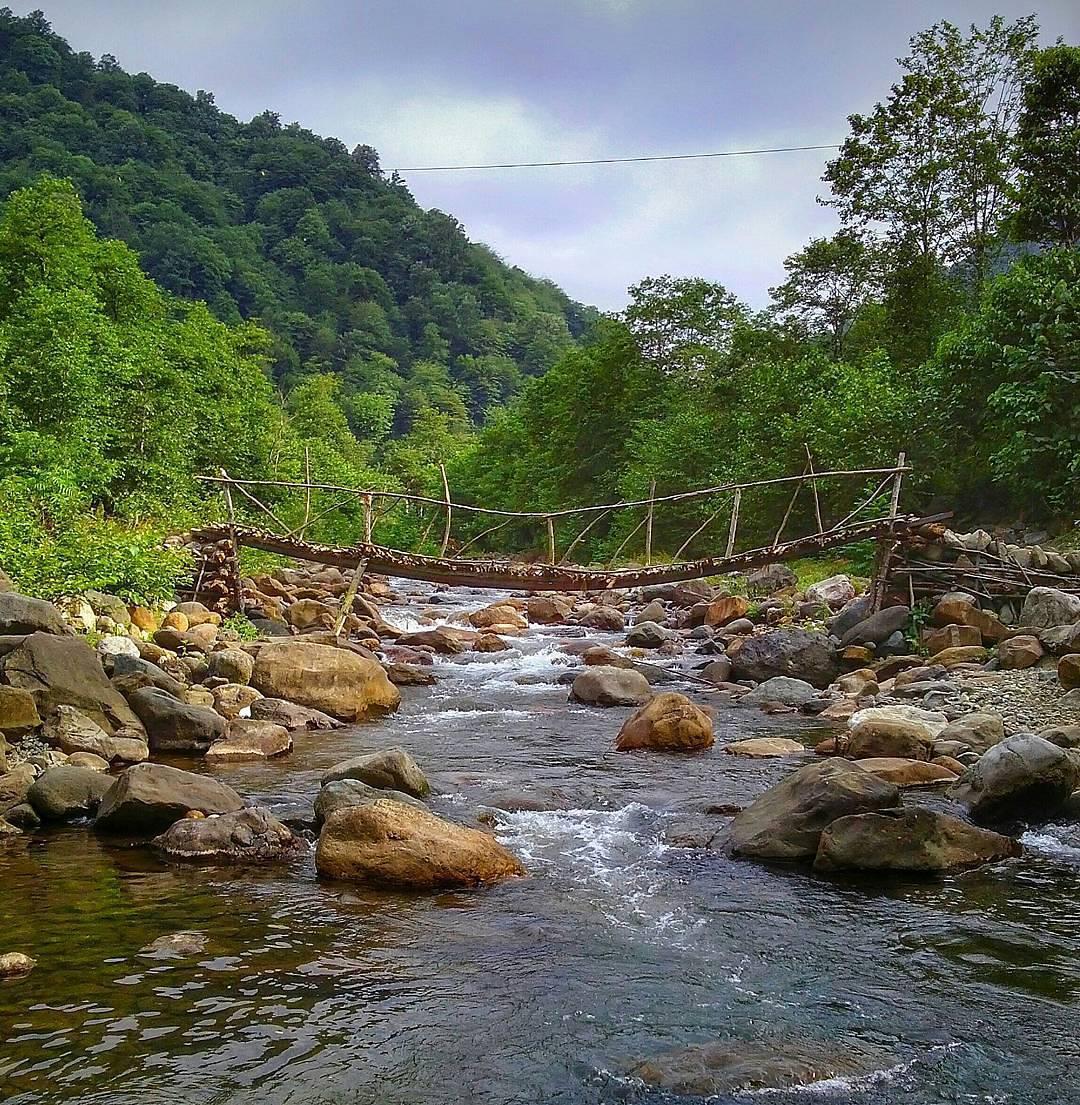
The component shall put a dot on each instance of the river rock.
(18, 713)
(1021, 651)
(877, 628)
(605, 618)
(14, 787)
(1068, 671)
(72, 731)
(197, 614)
(148, 798)
(647, 635)
(834, 592)
(787, 820)
(340, 794)
(795, 652)
(1045, 607)
(391, 769)
(332, 680)
(64, 671)
(726, 608)
(252, 835)
(291, 715)
(63, 792)
(889, 730)
(763, 748)
(651, 612)
(232, 699)
(154, 675)
(88, 760)
(963, 654)
(669, 722)
(1024, 777)
(782, 689)
(414, 675)
(738, 1067)
(910, 839)
(231, 664)
(387, 843)
(175, 726)
(250, 740)
(500, 614)
(548, 609)
(717, 671)
(907, 773)
(175, 945)
(21, 615)
(610, 686)
(951, 636)
(441, 639)
(978, 731)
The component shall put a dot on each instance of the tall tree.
(933, 166)
(828, 282)
(1048, 139)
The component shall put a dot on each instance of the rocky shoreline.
(94, 693)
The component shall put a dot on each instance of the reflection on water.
(543, 990)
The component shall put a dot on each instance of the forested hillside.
(271, 222)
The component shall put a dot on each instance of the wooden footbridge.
(252, 522)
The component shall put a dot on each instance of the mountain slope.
(275, 223)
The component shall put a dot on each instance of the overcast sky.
(434, 82)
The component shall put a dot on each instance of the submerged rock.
(250, 835)
(764, 747)
(175, 945)
(387, 843)
(670, 722)
(786, 821)
(914, 840)
(16, 965)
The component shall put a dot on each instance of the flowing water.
(624, 943)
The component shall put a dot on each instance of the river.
(623, 943)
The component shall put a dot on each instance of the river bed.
(622, 943)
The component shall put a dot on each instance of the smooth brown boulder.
(250, 740)
(764, 748)
(912, 840)
(390, 768)
(907, 773)
(387, 843)
(548, 609)
(65, 671)
(1019, 652)
(956, 610)
(1068, 670)
(498, 614)
(148, 798)
(610, 686)
(442, 639)
(670, 722)
(18, 713)
(726, 609)
(962, 654)
(951, 636)
(333, 680)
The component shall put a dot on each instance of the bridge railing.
(824, 521)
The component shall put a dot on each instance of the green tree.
(1048, 138)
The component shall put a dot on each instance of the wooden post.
(649, 523)
(366, 500)
(551, 540)
(813, 484)
(350, 594)
(887, 545)
(734, 521)
(449, 510)
(237, 593)
(307, 491)
(894, 507)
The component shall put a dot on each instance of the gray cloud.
(500, 80)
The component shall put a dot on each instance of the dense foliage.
(271, 222)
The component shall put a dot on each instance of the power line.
(610, 160)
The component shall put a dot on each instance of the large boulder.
(786, 821)
(232, 699)
(610, 686)
(907, 772)
(877, 628)
(647, 635)
(441, 639)
(148, 798)
(20, 615)
(907, 731)
(340, 794)
(548, 609)
(833, 592)
(154, 675)
(64, 671)
(1024, 777)
(978, 731)
(726, 609)
(1045, 607)
(606, 618)
(231, 664)
(500, 614)
(1022, 651)
(332, 680)
(670, 722)
(175, 726)
(387, 843)
(62, 793)
(72, 731)
(392, 769)
(910, 839)
(251, 835)
(800, 653)
(1068, 671)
